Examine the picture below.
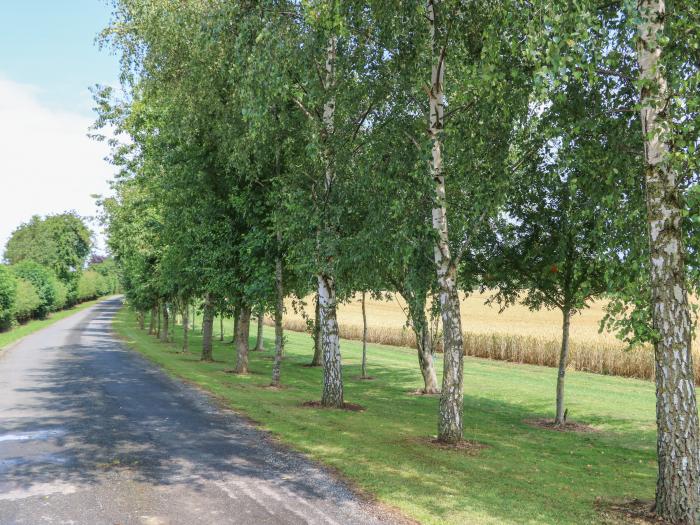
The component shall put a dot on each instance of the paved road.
(90, 433)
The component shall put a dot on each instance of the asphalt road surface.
(91, 433)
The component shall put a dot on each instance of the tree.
(60, 242)
(44, 282)
(678, 448)
(598, 39)
(555, 243)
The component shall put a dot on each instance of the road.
(91, 433)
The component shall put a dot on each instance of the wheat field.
(516, 334)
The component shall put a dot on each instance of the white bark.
(330, 342)
(451, 400)
(364, 336)
(678, 483)
(424, 341)
(279, 334)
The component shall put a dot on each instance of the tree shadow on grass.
(522, 466)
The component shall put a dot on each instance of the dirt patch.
(366, 378)
(422, 393)
(569, 426)
(233, 371)
(466, 446)
(351, 407)
(636, 512)
(309, 365)
(273, 387)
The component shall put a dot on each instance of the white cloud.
(47, 162)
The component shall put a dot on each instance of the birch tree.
(664, 46)
(678, 484)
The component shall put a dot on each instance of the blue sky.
(50, 44)
(48, 62)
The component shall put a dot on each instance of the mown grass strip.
(523, 475)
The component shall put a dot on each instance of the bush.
(90, 285)
(27, 301)
(107, 268)
(8, 297)
(62, 291)
(45, 284)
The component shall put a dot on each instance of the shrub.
(62, 291)
(8, 297)
(44, 281)
(90, 285)
(27, 301)
(107, 268)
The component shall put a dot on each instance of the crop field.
(516, 334)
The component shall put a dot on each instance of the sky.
(48, 62)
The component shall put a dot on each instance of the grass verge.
(521, 474)
(23, 330)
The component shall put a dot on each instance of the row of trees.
(282, 148)
(46, 269)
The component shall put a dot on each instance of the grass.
(23, 330)
(525, 475)
(517, 334)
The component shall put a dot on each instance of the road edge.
(368, 500)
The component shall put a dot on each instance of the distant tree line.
(46, 269)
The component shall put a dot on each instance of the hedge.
(8, 297)
(45, 283)
(28, 301)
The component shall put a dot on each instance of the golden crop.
(517, 334)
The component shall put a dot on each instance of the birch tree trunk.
(332, 371)
(332, 374)
(364, 337)
(678, 483)
(318, 350)
(207, 328)
(450, 423)
(279, 334)
(563, 360)
(424, 341)
(259, 342)
(166, 324)
(236, 317)
(242, 337)
(152, 324)
(158, 325)
(142, 321)
(185, 329)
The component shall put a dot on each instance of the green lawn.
(17, 333)
(525, 475)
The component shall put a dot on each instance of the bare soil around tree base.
(633, 512)
(351, 407)
(569, 426)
